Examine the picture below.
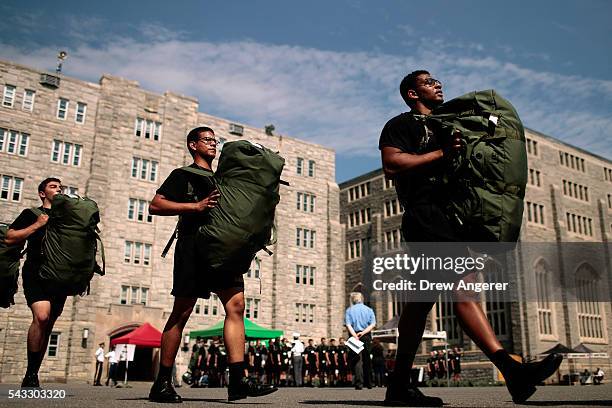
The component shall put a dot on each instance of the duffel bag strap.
(99, 271)
(171, 240)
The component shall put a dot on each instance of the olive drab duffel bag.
(486, 182)
(70, 245)
(248, 178)
(10, 256)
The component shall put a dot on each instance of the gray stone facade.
(109, 145)
(566, 185)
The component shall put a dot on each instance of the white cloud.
(339, 99)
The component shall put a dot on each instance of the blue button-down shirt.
(359, 316)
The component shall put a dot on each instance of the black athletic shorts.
(34, 289)
(190, 279)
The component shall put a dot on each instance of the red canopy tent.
(144, 336)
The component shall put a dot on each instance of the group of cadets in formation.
(438, 366)
(324, 364)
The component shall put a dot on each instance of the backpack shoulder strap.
(199, 172)
(37, 211)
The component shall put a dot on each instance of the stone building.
(568, 199)
(115, 142)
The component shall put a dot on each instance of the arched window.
(545, 312)
(590, 312)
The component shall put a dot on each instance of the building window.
(28, 100)
(305, 237)
(311, 168)
(607, 174)
(496, 304)
(255, 269)
(570, 161)
(305, 275)
(579, 224)
(137, 253)
(66, 153)
(70, 190)
(252, 308)
(305, 202)
(532, 146)
(304, 313)
(80, 113)
(392, 207)
(138, 210)
(545, 313)
(590, 312)
(11, 188)
(53, 347)
(144, 169)
(13, 142)
(574, 190)
(534, 178)
(9, 96)
(535, 213)
(356, 248)
(388, 183)
(134, 295)
(62, 108)
(150, 129)
(446, 320)
(360, 217)
(300, 166)
(359, 191)
(609, 201)
(392, 239)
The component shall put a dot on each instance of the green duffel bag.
(248, 178)
(10, 257)
(486, 184)
(70, 245)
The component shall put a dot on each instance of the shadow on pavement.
(374, 403)
(591, 403)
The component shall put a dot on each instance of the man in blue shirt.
(360, 321)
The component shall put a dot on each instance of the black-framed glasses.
(431, 82)
(209, 140)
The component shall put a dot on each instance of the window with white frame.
(54, 343)
(311, 168)
(8, 99)
(360, 217)
(62, 108)
(392, 207)
(251, 308)
(535, 213)
(81, 111)
(388, 183)
(11, 188)
(304, 313)
(207, 306)
(28, 100)
(545, 312)
(13, 142)
(300, 166)
(305, 202)
(579, 224)
(134, 295)
(359, 191)
(392, 239)
(590, 310)
(575, 190)
(66, 153)
(255, 269)
(144, 169)
(149, 129)
(534, 178)
(305, 275)
(305, 237)
(138, 210)
(137, 253)
(356, 248)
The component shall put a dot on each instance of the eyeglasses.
(431, 82)
(209, 140)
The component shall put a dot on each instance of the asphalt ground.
(87, 396)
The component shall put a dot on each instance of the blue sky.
(328, 71)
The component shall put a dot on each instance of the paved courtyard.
(81, 395)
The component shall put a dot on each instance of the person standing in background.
(296, 356)
(99, 365)
(360, 321)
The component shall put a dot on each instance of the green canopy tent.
(252, 331)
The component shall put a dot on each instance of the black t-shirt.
(310, 352)
(213, 352)
(378, 351)
(342, 350)
(332, 351)
(322, 350)
(408, 133)
(176, 188)
(202, 357)
(24, 220)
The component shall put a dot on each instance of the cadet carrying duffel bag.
(10, 256)
(248, 178)
(485, 185)
(70, 245)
